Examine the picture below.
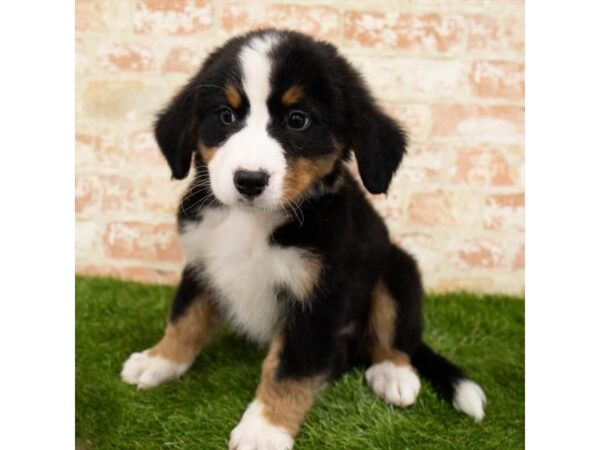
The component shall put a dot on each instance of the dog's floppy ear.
(379, 145)
(176, 133)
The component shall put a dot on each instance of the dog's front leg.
(192, 320)
(282, 399)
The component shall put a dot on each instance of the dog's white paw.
(398, 385)
(470, 399)
(147, 371)
(254, 432)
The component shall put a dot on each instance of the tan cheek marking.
(207, 153)
(184, 338)
(382, 328)
(303, 172)
(292, 95)
(285, 402)
(233, 96)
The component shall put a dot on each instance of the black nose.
(250, 183)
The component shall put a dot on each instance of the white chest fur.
(232, 244)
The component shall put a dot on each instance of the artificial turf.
(485, 335)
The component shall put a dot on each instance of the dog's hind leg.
(192, 320)
(400, 294)
(394, 331)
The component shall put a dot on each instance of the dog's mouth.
(249, 203)
(258, 204)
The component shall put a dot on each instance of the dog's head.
(271, 114)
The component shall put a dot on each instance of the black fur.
(442, 374)
(379, 143)
(403, 280)
(336, 222)
(188, 290)
(344, 230)
(192, 113)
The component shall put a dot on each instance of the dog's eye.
(297, 120)
(227, 116)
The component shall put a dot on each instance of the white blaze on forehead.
(252, 148)
(256, 73)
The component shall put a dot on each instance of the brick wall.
(452, 71)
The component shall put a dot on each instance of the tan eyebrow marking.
(292, 95)
(233, 96)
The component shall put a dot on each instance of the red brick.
(144, 151)
(117, 193)
(87, 194)
(519, 260)
(475, 253)
(388, 205)
(445, 208)
(159, 195)
(140, 194)
(184, 59)
(139, 274)
(414, 118)
(424, 164)
(98, 148)
(484, 32)
(102, 15)
(507, 200)
(492, 34)
(121, 101)
(127, 57)
(172, 16)
(514, 29)
(392, 30)
(88, 238)
(424, 246)
(494, 124)
(318, 21)
(505, 212)
(482, 168)
(498, 79)
(430, 208)
(406, 79)
(142, 241)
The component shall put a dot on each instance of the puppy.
(280, 240)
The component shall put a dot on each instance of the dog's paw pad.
(255, 432)
(398, 385)
(147, 371)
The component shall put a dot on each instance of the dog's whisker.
(296, 210)
(195, 189)
(292, 209)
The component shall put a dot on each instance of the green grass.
(113, 319)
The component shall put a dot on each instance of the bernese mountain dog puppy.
(280, 240)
